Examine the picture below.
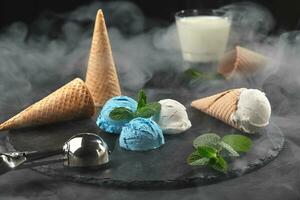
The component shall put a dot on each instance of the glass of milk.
(202, 35)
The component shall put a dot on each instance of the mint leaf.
(200, 162)
(229, 149)
(149, 110)
(239, 143)
(194, 74)
(121, 113)
(195, 159)
(143, 110)
(205, 155)
(207, 152)
(208, 139)
(142, 99)
(220, 164)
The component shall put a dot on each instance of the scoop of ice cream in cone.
(241, 61)
(101, 76)
(245, 109)
(70, 102)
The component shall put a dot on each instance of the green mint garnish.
(228, 149)
(144, 109)
(209, 156)
(210, 145)
(196, 75)
(239, 143)
(196, 159)
(200, 162)
(220, 164)
(208, 139)
(149, 110)
(142, 99)
(121, 113)
(207, 152)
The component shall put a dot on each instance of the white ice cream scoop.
(253, 110)
(173, 117)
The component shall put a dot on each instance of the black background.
(286, 13)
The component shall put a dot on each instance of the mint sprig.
(229, 149)
(210, 145)
(196, 75)
(121, 113)
(208, 139)
(144, 109)
(205, 155)
(239, 143)
(149, 110)
(142, 99)
(196, 159)
(220, 164)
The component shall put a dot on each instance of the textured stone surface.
(162, 168)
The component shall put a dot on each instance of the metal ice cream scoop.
(81, 150)
(85, 150)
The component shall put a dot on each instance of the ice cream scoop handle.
(41, 162)
(36, 155)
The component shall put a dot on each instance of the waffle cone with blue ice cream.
(70, 102)
(101, 77)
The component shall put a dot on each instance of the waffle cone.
(101, 76)
(241, 60)
(72, 101)
(221, 106)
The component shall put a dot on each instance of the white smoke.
(37, 59)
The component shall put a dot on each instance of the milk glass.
(203, 35)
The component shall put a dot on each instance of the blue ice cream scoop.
(115, 126)
(141, 134)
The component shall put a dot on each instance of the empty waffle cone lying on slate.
(72, 101)
(244, 109)
(101, 77)
(220, 106)
(242, 61)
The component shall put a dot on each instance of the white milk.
(203, 38)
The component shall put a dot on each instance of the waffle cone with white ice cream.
(101, 77)
(244, 109)
(72, 101)
(241, 61)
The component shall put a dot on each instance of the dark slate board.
(162, 168)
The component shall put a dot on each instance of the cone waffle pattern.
(101, 77)
(221, 106)
(72, 101)
(241, 60)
